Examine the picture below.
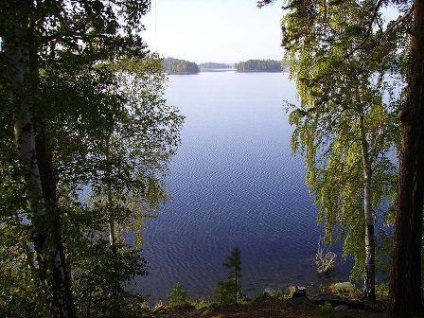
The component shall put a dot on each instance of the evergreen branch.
(389, 30)
(368, 33)
(398, 21)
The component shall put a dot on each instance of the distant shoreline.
(224, 71)
(206, 70)
(173, 66)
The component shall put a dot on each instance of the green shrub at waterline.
(177, 296)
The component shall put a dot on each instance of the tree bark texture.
(19, 49)
(369, 279)
(405, 296)
(112, 232)
(62, 305)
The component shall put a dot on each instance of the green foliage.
(200, 304)
(233, 262)
(97, 100)
(382, 291)
(176, 66)
(122, 153)
(177, 296)
(21, 292)
(100, 277)
(348, 291)
(385, 253)
(214, 66)
(344, 128)
(326, 311)
(227, 292)
(258, 66)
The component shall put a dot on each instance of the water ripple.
(234, 183)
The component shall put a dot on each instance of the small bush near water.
(177, 296)
(228, 292)
(326, 311)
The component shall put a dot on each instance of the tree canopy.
(177, 66)
(214, 66)
(82, 112)
(258, 66)
(344, 53)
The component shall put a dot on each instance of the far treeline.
(177, 66)
(259, 66)
(214, 66)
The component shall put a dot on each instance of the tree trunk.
(112, 232)
(62, 305)
(19, 50)
(18, 57)
(405, 282)
(369, 279)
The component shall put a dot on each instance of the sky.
(226, 31)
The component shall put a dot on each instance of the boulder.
(297, 291)
(271, 293)
(341, 308)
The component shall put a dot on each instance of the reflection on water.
(234, 183)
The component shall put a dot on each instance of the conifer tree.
(228, 292)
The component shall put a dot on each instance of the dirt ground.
(273, 308)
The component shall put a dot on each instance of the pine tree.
(177, 296)
(228, 292)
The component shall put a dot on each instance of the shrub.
(177, 296)
(325, 311)
(225, 293)
(382, 291)
(200, 304)
(344, 289)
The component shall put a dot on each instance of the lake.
(233, 183)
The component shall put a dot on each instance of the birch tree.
(343, 127)
(403, 35)
(36, 35)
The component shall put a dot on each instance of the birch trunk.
(369, 278)
(18, 56)
(112, 232)
(22, 58)
(62, 305)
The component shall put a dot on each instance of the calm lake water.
(234, 183)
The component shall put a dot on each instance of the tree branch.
(368, 33)
(263, 3)
(398, 21)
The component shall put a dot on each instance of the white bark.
(369, 279)
(23, 128)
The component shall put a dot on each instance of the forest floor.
(302, 307)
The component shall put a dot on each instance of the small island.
(177, 66)
(183, 67)
(259, 66)
(215, 67)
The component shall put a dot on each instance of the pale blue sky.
(214, 30)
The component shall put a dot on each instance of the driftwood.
(325, 262)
